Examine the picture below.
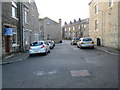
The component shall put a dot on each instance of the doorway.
(98, 42)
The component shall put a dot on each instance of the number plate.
(36, 51)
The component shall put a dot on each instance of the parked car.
(85, 42)
(74, 41)
(39, 47)
(50, 43)
(53, 43)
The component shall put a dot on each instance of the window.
(110, 3)
(29, 1)
(65, 30)
(14, 9)
(36, 37)
(26, 37)
(69, 28)
(69, 34)
(36, 44)
(73, 28)
(14, 40)
(96, 8)
(26, 16)
(33, 20)
(79, 27)
(96, 24)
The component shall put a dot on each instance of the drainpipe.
(21, 27)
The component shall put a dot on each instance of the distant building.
(78, 29)
(50, 29)
(104, 23)
(85, 28)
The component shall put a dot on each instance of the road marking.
(78, 73)
(42, 73)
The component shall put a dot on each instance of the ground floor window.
(26, 36)
(14, 40)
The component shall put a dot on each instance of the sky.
(67, 10)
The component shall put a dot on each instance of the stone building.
(85, 28)
(104, 23)
(20, 26)
(10, 27)
(31, 30)
(77, 29)
(51, 29)
(41, 29)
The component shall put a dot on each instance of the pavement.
(21, 56)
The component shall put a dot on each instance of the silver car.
(50, 43)
(74, 41)
(39, 47)
(85, 42)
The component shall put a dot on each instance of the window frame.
(14, 33)
(110, 3)
(96, 24)
(96, 8)
(26, 16)
(14, 10)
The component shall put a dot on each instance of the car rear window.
(87, 39)
(36, 44)
(75, 39)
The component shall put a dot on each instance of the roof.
(50, 19)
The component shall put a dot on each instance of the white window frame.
(69, 29)
(14, 33)
(26, 16)
(96, 24)
(26, 36)
(110, 3)
(96, 8)
(73, 28)
(14, 10)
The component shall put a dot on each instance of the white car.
(39, 47)
(85, 42)
(50, 43)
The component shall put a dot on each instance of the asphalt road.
(66, 66)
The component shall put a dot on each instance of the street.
(66, 66)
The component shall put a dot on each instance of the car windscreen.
(36, 44)
(75, 39)
(87, 39)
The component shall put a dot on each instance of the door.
(7, 44)
(98, 42)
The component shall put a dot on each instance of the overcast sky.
(67, 10)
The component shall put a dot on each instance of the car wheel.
(49, 51)
(46, 52)
(81, 47)
(30, 55)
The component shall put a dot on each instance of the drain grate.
(77, 73)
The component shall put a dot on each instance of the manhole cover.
(83, 73)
